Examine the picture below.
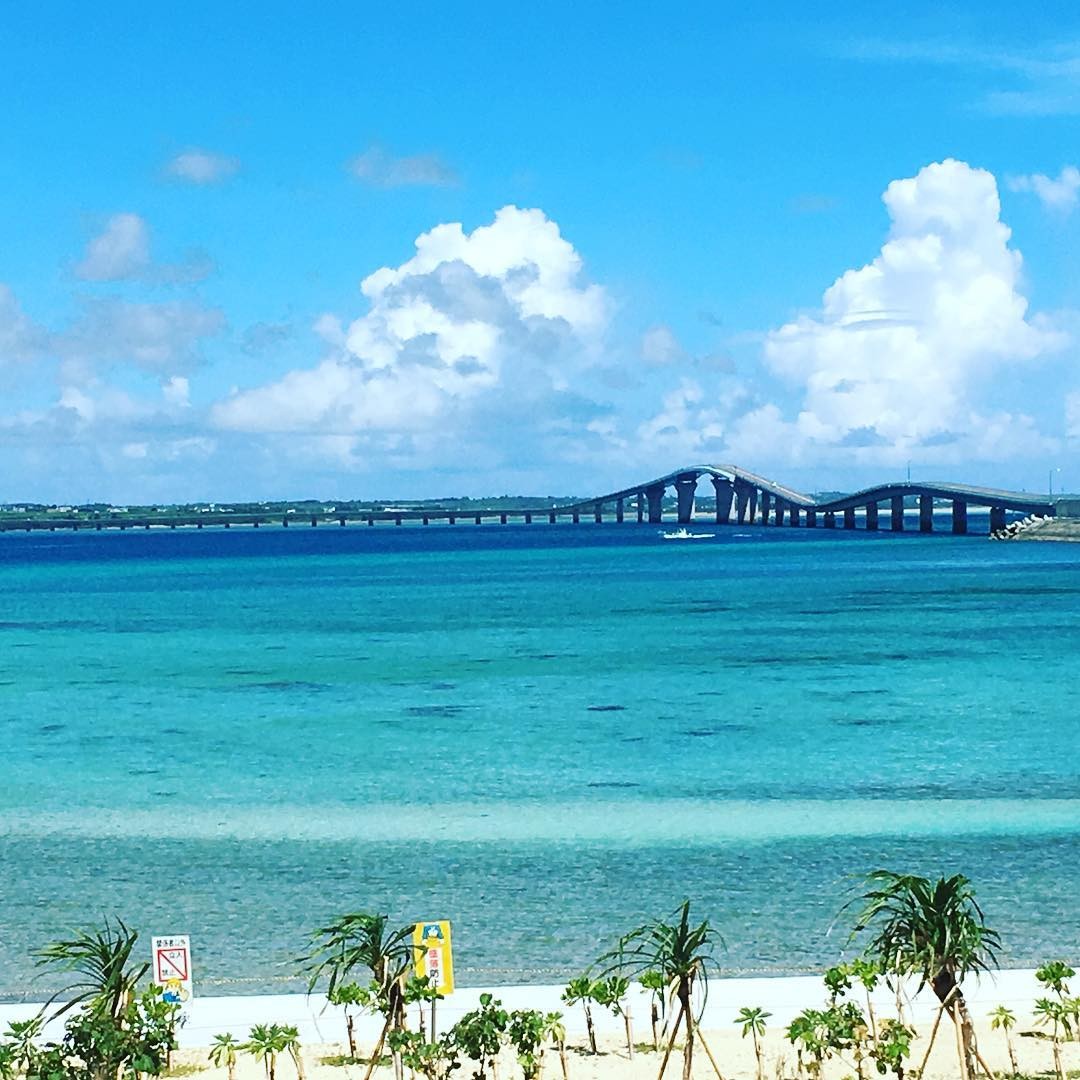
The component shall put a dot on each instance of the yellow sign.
(434, 955)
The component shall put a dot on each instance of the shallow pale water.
(544, 734)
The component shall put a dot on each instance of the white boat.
(685, 534)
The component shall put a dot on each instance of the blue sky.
(192, 199)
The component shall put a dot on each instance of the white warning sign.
(172, 967)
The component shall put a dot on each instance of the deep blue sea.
(544, 734)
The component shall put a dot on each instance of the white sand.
(322, 1028)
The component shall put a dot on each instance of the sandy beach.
(322, 1030)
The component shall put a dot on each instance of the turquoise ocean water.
(544, 734)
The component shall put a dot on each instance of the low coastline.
(322, 1028)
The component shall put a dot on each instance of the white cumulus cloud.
(902, 347)
(1060, 194)
(499, 312)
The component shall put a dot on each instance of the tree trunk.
(377, 1052)
(1012, 1053)
(298, 1060)
(688, 1019)
(961, 1048)
(671, 1043)
(629, 1033)
(933, 1036)
(1058, 1067)
(350, 1030)
(950, 995)
(655, 1018)
(589, 1027)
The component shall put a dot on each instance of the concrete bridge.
(742, 497)
(747, 498)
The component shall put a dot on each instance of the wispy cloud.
(377, 167)
(1060, 194)
(121, 252)
(811, 203)
(197, 166)
(1040, 81)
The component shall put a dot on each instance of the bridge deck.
(966, 494)
(946, 490)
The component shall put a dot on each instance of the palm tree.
(223, 1052)
(102, 960)
(290, 1042)
(1005, 1020)
(359, 940)
(683, 954)
(934, 930)
(557, 1033)
(753, 1023)
(362, 940)
(265, 1042)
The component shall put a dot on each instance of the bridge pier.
(778, 514)
(830, 520)
(765, 501)
(811, 519)
(575, 517)
(551, 518)
(849, 518)
(959, 517)
(742, 501)
(502, 519)
(793, 515)
(871, 517)
(655, 496)
(898, 513)
(926, 513)
(724, 491)
(528, 518)
(640, 507)
(598, 512)
(686, 489)
(997, 518)
(619, 510)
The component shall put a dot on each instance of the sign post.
(434, 957)
(172, 967)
